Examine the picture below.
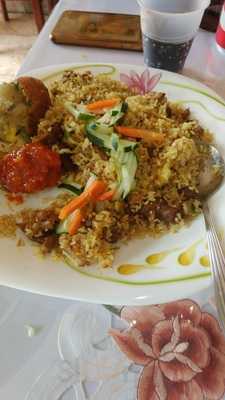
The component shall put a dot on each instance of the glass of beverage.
(168, 29)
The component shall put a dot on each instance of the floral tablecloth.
(174, 351)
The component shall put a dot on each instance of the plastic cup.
(168, 29)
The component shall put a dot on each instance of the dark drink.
(169, 56)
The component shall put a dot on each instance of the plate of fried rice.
(99, 175)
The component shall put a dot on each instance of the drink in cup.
(168, 29)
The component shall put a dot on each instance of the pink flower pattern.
(142, 83)
(181, 348)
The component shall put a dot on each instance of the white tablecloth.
(24, 357)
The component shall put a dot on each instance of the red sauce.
(16, 198)
(30, 169)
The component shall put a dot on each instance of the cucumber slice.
(112, 116)
(115, 141)
(103, 136)
(127, 171)
(121, 151)
(63, 226)
(100, 140)
(76, 189)
(79, 112)
(128, 145)
(99, 135)
(124, 145)
(95, 127)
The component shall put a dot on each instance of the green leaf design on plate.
(111, 71)
(202, 106)
(195, 89)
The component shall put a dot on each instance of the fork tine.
(217, 260)
(220, 301)
(221, 313)
(216, 254)
(219, 277)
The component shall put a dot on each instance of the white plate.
(165, 281)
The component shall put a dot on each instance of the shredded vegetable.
(76, 221)
(91, 193)
(101, 105)
(150, 137)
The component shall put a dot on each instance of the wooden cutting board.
(118, 31)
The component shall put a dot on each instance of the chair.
(37, 11)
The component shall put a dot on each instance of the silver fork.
(217, 261)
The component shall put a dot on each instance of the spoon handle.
(217, 261)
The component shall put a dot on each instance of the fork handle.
(217, 261)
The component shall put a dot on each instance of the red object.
(106, 196)
(30, 169)
(16, 198)
(220, 33)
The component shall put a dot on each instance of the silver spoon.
(211, 179)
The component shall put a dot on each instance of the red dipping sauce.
(30, 169)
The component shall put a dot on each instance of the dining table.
(60, 349)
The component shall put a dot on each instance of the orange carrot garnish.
(155, 138)
(76, 221)
(94, 190)
(77, 202)
(106, 196)
(100, 105)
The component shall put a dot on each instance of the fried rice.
(165, 194)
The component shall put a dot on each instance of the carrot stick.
(78, 202)
(106, 196)
(76, 222)
(101, 104)
(148, 136)
(94, 190)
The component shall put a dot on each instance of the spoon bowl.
(212, 175)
